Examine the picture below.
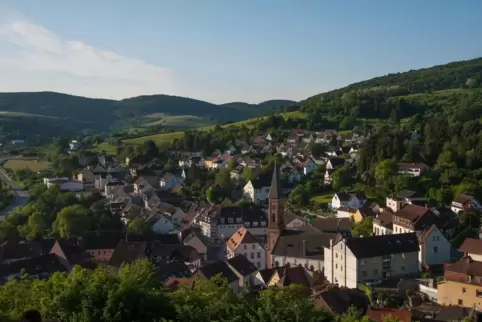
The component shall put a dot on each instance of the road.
(21, 196)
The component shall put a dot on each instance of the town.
(392, 258)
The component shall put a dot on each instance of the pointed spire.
(275, 192)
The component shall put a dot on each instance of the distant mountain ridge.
(76, 113)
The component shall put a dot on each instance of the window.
(461, 302)
(341, 257)
(253, 246)
(336, 266)
(364, 273)
(245, 247)
(259, 255)
(336, 255)
(341, 268)
(464, 290)
(478, 293)
(435, 250)
(252, 255)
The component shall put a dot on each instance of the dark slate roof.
(266, 274)
(176, 269)
(218, 268)
(242, 265)
(128, 252)
(19, 250)
(261, 181)
(374, 246)
(275, 192)
(43, 266)
(332, 225)
(454, 313)
(408, 194)
(290, 243)
(463, 199)
(294, 275)
(177, 252)
(337, 162)
(102, 240)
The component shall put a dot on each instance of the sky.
(225, 50)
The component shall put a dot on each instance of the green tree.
(138, 226)
(341, 177)
(383, 171)
(72, 221)
(364, 227)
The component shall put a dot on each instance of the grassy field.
(34, 165)
(177, 120)
(324, 198)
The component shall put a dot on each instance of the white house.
(308, 166)
(348, 199)
(64, 184)
(353, 260)
(175, 214)
(242, 242)
(169, 181)
(434, 247)
(162, 224)
(411, 169)
(464, 201)
(257, 190)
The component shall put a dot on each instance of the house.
(368, 210)
(291, 173)
(222, 269)
(219, 222)
(465, 202)
(101, 245)
(39, 267)
(288, 275)
(244, 269)
(242, 242)
(350, 261)
(308, 166)
(405, 197)
(328, 178)
(192, 161)
(339, 299)
(462, 285)
(412, 218)
(383, 223)
(74, 145)
(293, 221)
(348, 199)
(64, 184)
(12, 251)
(237, 172)
(257, 190)
(345, 212)
(169, 181)
(18, 142)
(170, 253)
(335, 163)
(342, 226)
(472, 247)
(434, 247)
(411, 169)
(161, 223)
(176, 214)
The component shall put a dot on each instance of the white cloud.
(33, 58)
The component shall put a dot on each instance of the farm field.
(34, 165)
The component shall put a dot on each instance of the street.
(21, 196)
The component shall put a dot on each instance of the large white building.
(242, 242)
(351, 261)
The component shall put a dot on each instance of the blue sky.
(223, 50)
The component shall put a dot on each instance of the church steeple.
(275, 191)
(276, 213)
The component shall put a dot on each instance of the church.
(303, 246)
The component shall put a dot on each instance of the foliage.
(72, 221)
(364, 227)
(138, 226)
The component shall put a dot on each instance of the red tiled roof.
(412, 212)
(241, 236)
(379, 314)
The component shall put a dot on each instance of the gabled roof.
(242, 265)
(44, 264)
(217, 268)
(374, 246)
(471, 246)
(336, 162)
(102, 240)
(241, 236)
(128, 252)
(412, 212)
(293, 275)
(332, 225)
(463, 199)
(408, 194)
(466, 266)
(385, 219)
(307, 242)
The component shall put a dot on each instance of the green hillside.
(68, 114)
(391, 98)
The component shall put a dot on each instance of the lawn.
(323, 198)
(34, 165)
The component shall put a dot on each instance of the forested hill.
(374, 92)
(64, 114)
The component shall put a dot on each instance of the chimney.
(304, 248)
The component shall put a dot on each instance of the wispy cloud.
(34, 58)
